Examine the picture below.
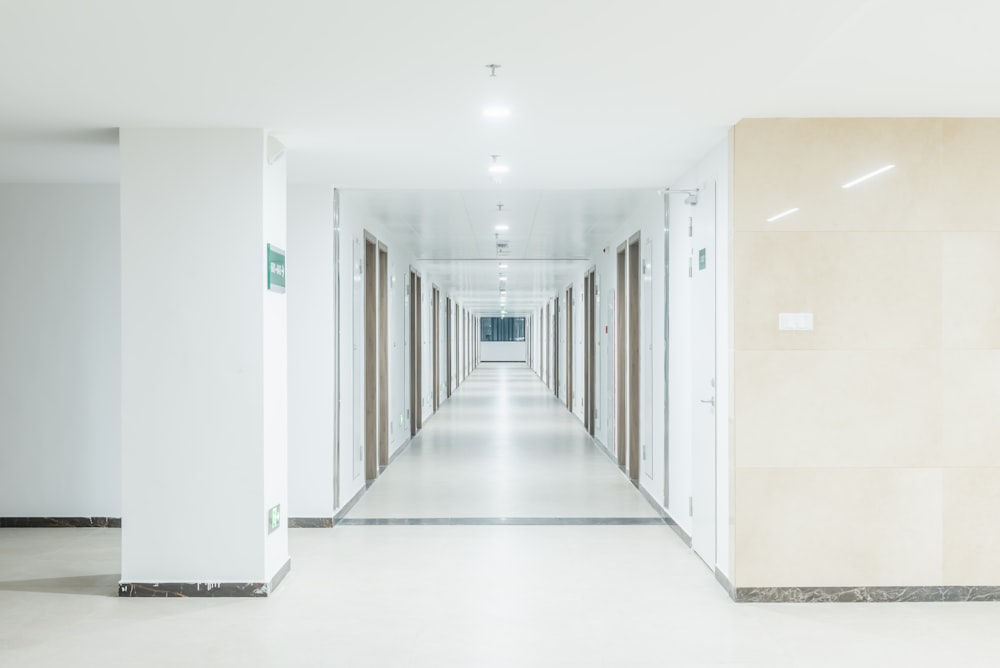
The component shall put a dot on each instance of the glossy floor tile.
(502, 446)
(464, 595)
(442, 596)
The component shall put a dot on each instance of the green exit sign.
(274, 518)
(275, 269)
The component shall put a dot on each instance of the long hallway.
(503, 448)
(381, 589)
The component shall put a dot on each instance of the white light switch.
(795, 322)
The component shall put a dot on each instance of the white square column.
(204, 364)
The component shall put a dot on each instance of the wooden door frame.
(634, 354)
(436, 339)
(570, 344)
(420, 352)
(548, 345)
(371, 356)
(448, 338)
(555, 346)
(588, 351)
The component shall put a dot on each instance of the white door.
(703, 270)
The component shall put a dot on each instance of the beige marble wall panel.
(838, 527)
(971, 172)
(838, 408)
(971, 289)
(971, 409)
(785, 163)
(865, 289)
(971, 539)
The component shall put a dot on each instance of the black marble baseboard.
(310, 522)
(59, 522)
(203, 589)
(865, 594)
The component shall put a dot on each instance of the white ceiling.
(550, 235)
(387, 94)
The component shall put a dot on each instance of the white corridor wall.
(60, 389)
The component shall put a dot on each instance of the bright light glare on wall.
(503, 266)
(782, 215)
(880, 170)
(503, 278)
(496, 112)
(502, 228)
(499, 169)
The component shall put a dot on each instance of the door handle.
(708, 401)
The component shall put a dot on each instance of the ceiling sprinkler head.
(493, 67)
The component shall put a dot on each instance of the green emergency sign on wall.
(275, 269)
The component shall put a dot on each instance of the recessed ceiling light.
(496, 112)
(880, 170)
(499, 169)
(502, 228)
(782, 215)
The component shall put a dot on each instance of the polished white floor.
(414, 596)
(502, 446)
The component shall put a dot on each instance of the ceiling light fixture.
(782, 215)
(880, 170)
(496, 112)
(502, 228)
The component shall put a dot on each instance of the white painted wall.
(310, 351)
(399, 427)
(199, 446)
(604, 330)
(275, 368)
(503, 351)
(578, 347)
(60, 386)
(559, 319)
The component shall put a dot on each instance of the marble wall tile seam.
(865, 467)
(858, 349)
